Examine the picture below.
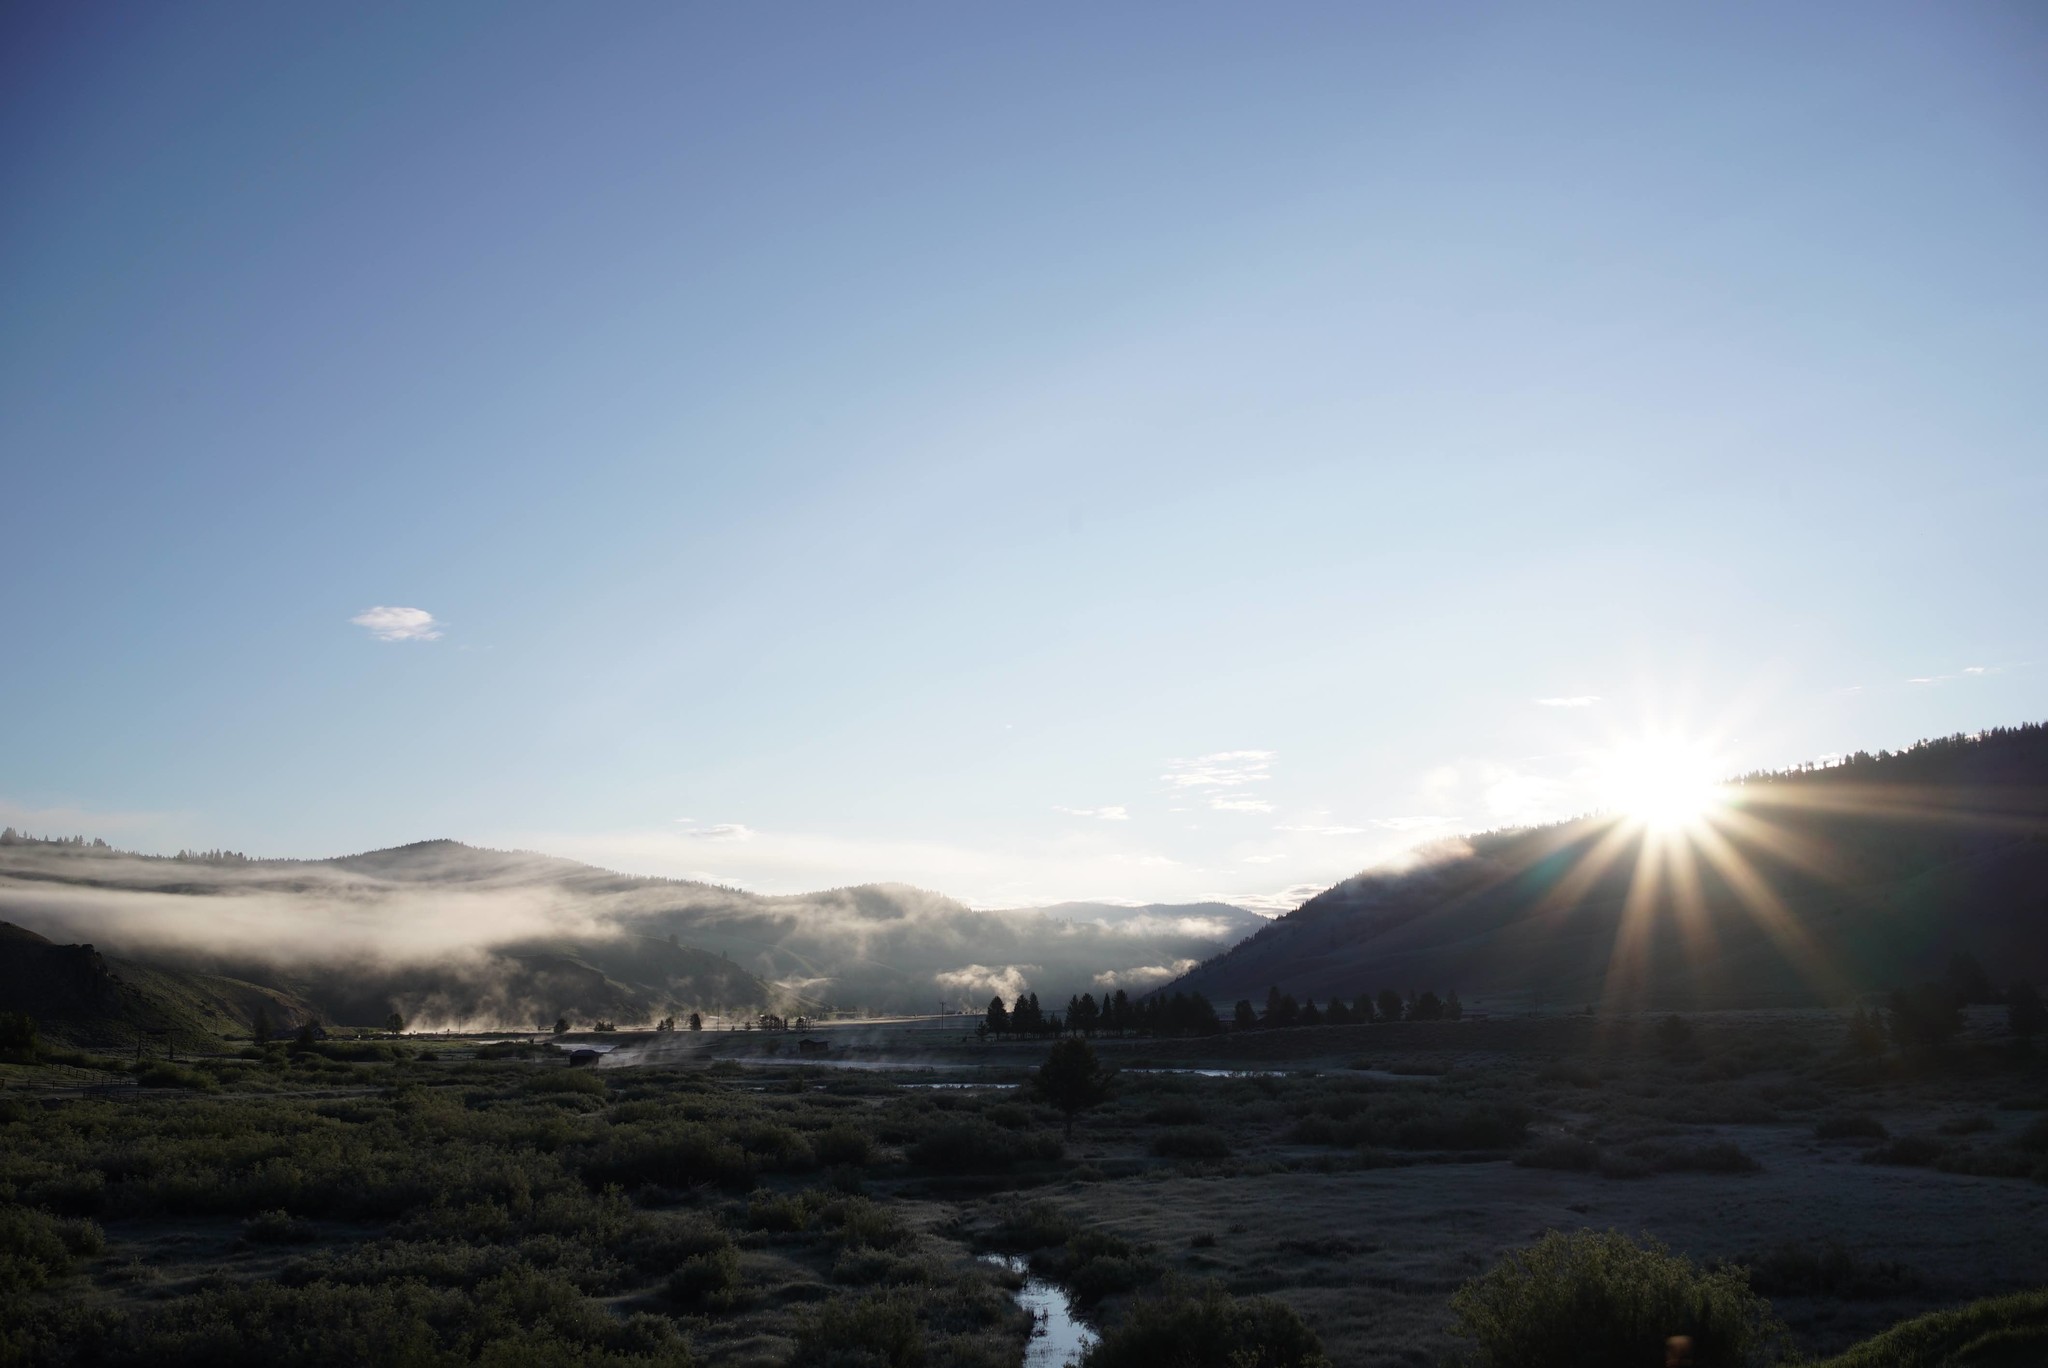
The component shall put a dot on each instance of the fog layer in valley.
(453, 936)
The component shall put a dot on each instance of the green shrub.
(868, 1332)
(1210, 1330)
(710, 1281)
(1021, 1228)
(1094, 1264)
(275, 1226)
(167, 1075)
(786, 1214)
(776, 1148)
(515, 1318)
(971, 1145)
(843, 1144)
(858, 1223)
(587, 1082)
(2000, 1332)
(1177, 1111)
(1599, 1300)
(35, 1247)
(671, 1156)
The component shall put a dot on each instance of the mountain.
(77, 994)
(1812, 885)
(451, 934)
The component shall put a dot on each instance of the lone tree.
(696, 1021)
(1072, 1079)
(260, 1029)
(17, 1032)
(561, 1025)
(395, 1024)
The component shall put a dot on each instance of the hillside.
(450, 934)
(77, 994)
(1811, 885)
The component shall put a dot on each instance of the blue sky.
(1144, 452)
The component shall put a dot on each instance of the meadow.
(1313, 1192)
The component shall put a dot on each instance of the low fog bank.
(457, 937)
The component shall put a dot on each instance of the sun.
(1662, 783)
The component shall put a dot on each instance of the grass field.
(442, 1200)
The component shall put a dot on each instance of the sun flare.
(1663, 783)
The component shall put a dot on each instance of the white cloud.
(723, 831)
(979, 980)
(1224, 769)
(1973, 669)
(1144, 976)
(1242, 804)
(1275, 902)
(1108, 814)
(399, 624)
(1569, 701)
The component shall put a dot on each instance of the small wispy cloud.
(1224, 769)
(722, 831)
(1272, 903)
(1144, 976)
(1241, 803)
(972, 980)
(1115, 813)
(1965, 672)
(1569, 701)
(389, 623)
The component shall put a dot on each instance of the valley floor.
(710, 1198)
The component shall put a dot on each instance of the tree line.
(1387, 1005)
(1192, 1014)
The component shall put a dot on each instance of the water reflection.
(1058, 1336)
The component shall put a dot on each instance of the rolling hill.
(451, 934)
(78, 995)
(1812, 885)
